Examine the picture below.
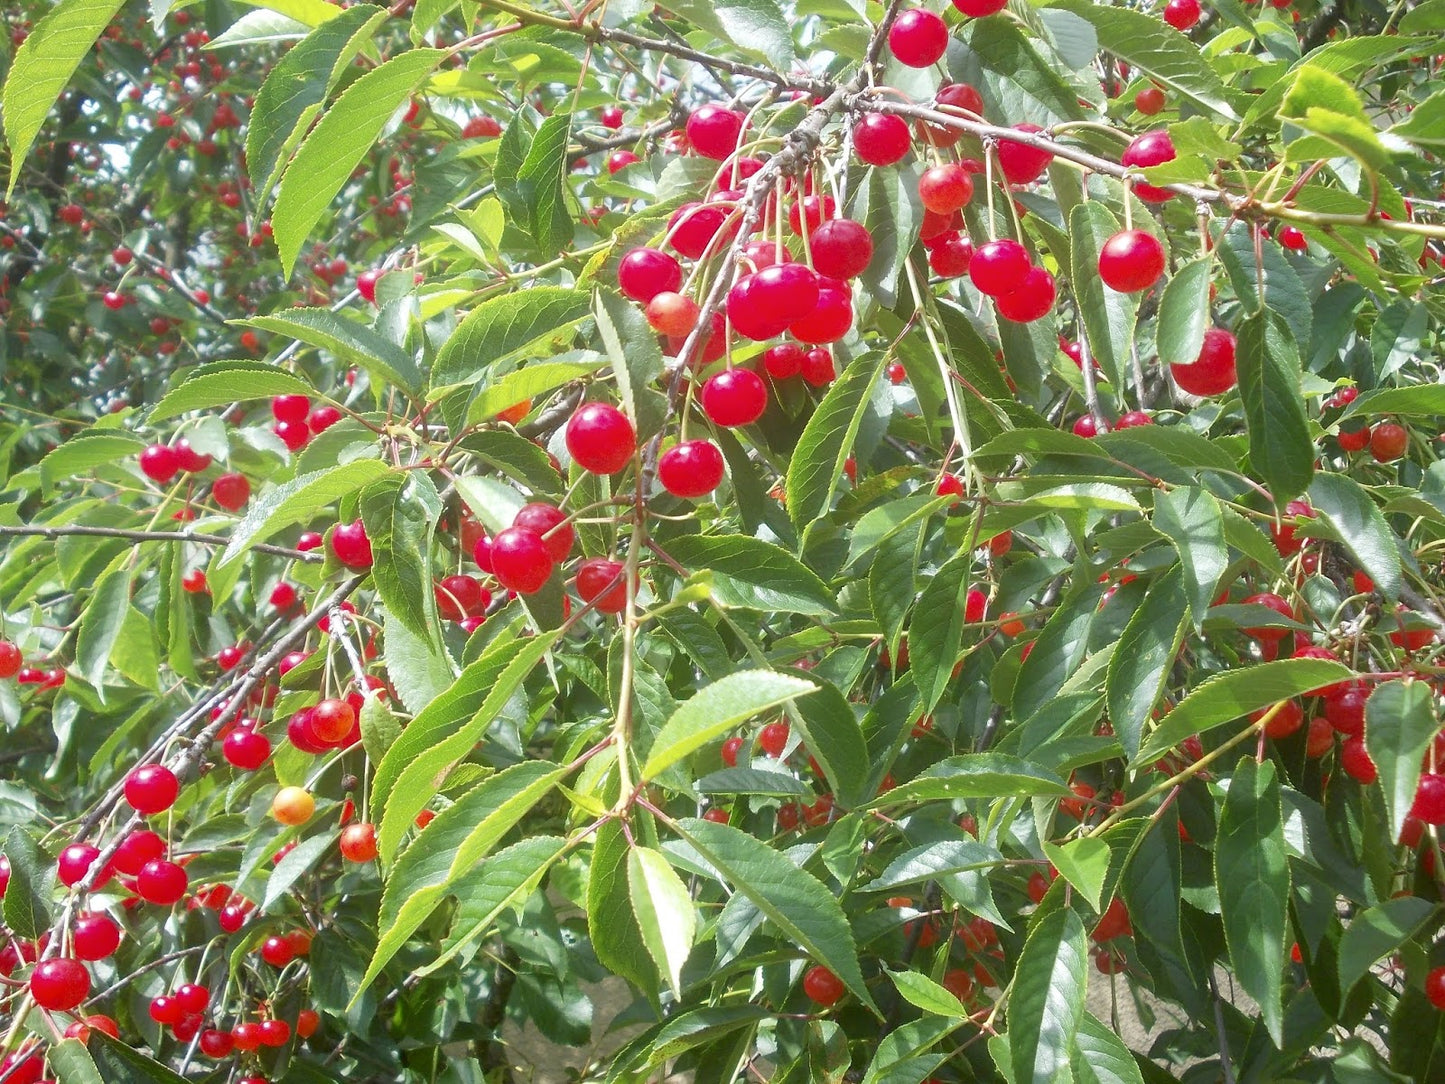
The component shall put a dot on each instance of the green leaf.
(444, 732)
(1378, 931)
(664, 911)
(516, 457)
(1100, 1056)
(1345, 505)
(891, 584)
(935, 862)
(833, 737)
(120, 1061)
(1184, 313)
(297, 501)
(888, 206)
(348, 340)
(1233, 694)
(1268, 361)
(379, 728)
(753, 781)
(636, 358)
(1108, 315)
(24, 903)
(1425, 126)
(817, 460)
(1139, 667)
(611, 921)
(71, 1063)
(715, 709)
(528, 382)
(502, 327)
(540, 184)
(748, 573)
(796, 902)
(100, 625)
(1397, 335)
(1252, 872)
(976, 775)
(1399, 726)
(84, 453)
(292, 94)
(400, 512)
(1084, 863)
(502, 880)
(295, 864)
(306, 12)
(1192, 520)
(1326, 105)
(1158, 51)
(755, 26)
(1420, 400)
(1047, 1002)
(1265, 280)
(222, 383)
(41, 68)
(936, 632)
(337, 144)
(419, 669)
(922, 992)
(1058, 651)
(1002, 62)
(459, 837)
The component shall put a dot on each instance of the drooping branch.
(53, 533)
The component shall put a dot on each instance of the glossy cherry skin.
(1213, 372)
(151, 788)
(600, 439)
(842, 248)
(160, 463)
(601, 582)
(823, 986)
(351, 545)
(646, 272)
(960, 96)
(692, 468)
(520, 560)
(1149, 101)
(713, 131)
(918, 38)
(1021, 163)
(881, 139)
(551, 525)
(977, 9)
(693, 227)
(59, 983)
(944, 189)
(748, 315)
(783, 361)
(1130, 261)
(231, 491)
(1032, 300)
(1150, 149)
(1181, 14)
(734, 397)
(830, 319)
(999, 267)
(950, 256)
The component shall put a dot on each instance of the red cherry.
(1388, 442)
(880, 139)
(643, 273)
(1356, 441)
(1279, 606)
(1212, 373)
(693, 226)
(822, 985)
(918, 38)
(1149, 101)
(944, 189)
(75, 862)
(138, 848)
(1435, 987)
(730, 750)
(551, 525)
(322, 418)
(193, 998)
(713, 131)
(672, 314)
(217, 1044)
(1131, 260)
(783, 361)
(161, 882)
(1150, 149)
(841, 248)
(59, 984)
(94, 937)
(231, 917)
(231, 491)
(462, 596)
(351, 545)
(789, 289)
(1032, 300)
(332, 720)
(247, 1034)
(999, 267)
(358, 842)
(283, 596)
(749, 315)
(830, 319)
(602, 583)
(600, 439)
(1429, 805)
(897, 374)
(308, 541)
(479, 127)
(366, 284)
(307, 1021)
(959, 96)
(617, 161)
(520, 560)
(11, 659)
(1181, 14)
(1021, 163)
(815, 210)
(277, 951)
(1355, 760)
(950, 255)
(734, 397)
(818, 371)
(1288, 717)
(160, 463)
(275, 1032)
(292, 434)
(1088, 426)
(151, 788)
(611, 117)
(773, 739)
(1292, 238)
(290, 408)
(977, 9)
(246, 749)
(692, 468)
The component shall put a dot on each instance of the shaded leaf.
(1400, 723)
(1047, 1002)
(1140, 665)
(1268, 363)
(715, 709)
(664, 911)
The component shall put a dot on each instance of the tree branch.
(33, 531)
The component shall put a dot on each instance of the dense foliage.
(901, 533)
